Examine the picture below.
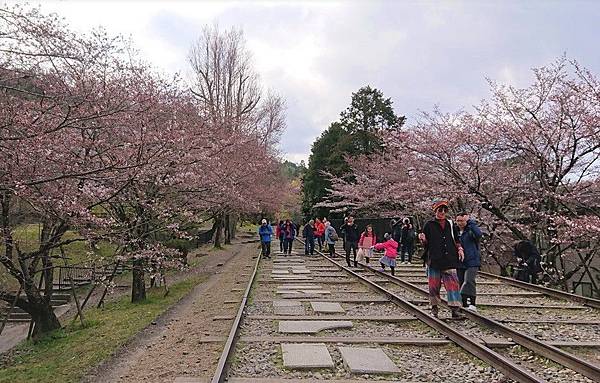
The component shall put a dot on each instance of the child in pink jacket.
(391, 251)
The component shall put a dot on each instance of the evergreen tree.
(356, 133)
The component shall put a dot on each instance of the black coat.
(308, 232)
(408, 234)
(441, 247)
(527, 251)
(351, 233)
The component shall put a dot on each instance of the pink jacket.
(390, 246)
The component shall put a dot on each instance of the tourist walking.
(343, 233)
(407, 241)
(396, 226)
(443, 254)
(289, 233)
(331, 238)
(470, 235)
(319, 232)
(309, 238)
(391, 252)
(352, 236)
(279, 235)
(365, 243)
(266, 232)
(528, 260)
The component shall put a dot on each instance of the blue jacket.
(265, 232)
(469, 239)
(329, 230)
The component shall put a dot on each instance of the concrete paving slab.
(291, 278)
(296, 287)
(364, 360)
(301, 296)
(311, 327)
(300, 271)
(306, 356)
(327, 307)
(311, 292)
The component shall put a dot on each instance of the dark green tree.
(357, 132)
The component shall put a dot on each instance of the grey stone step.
(327, 307)
(366, 360)
(303, 356)
(311, 327)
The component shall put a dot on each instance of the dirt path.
(169, 348)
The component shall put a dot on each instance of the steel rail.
(501, 363)
(221, 369)
(595, 303)
(540, 347)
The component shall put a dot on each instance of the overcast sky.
(315, 54)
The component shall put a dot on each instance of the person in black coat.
(309, 238)
(407, 240)
(351, 235)
(443, 252)
(528, 260)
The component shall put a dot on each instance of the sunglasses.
(442, 208)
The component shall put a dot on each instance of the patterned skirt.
(391, 262)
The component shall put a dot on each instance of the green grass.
(66, 354)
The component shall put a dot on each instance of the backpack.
(334, 236)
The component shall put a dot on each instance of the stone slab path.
(311, 327)
(306, 356)
(327, 307)
(364, 360)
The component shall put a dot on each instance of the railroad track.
(287, 330)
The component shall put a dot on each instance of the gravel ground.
(544, 368)
(416, 364)
(532, 315)
(359, 329)
(368, 309)
(473, 329)
(560, 332)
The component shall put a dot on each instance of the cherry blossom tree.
(525, 163)
(94, 142)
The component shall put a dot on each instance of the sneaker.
(381, 269)
(472, 308)
(434, 311)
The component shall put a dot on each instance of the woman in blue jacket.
(470, 235)
(266, 232)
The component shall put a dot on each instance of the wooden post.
(109, 281)
(12, 306)
(79, 312)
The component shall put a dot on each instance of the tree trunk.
(138, 287)
(45, 320)
(227, 225)
(218, 230)
(233, 226)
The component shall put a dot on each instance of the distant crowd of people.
(451, 250)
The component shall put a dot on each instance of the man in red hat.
(443, 252)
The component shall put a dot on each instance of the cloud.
(315, 54)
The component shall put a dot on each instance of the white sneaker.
(472, 308)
